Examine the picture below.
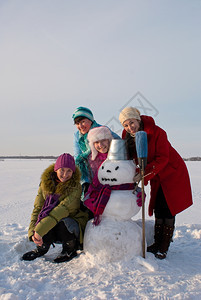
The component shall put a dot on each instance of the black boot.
(168, 231)
(158, 234)
(68, 251)
(39, 251)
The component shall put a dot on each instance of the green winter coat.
(69, 203)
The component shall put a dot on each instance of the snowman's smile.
(108, 179)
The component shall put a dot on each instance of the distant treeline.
(197, 158)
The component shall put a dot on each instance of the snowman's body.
(117, 236)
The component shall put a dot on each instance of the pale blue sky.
(58, 55)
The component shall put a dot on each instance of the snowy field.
(176, 277)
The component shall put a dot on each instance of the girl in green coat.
(56, 216)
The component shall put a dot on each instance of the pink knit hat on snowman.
(97, 134)
(65, 161)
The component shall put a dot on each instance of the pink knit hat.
(65, 161)
(97, 134)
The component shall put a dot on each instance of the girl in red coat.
(167, 173)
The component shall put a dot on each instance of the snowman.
(117, 237)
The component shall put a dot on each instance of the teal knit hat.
(83, 112)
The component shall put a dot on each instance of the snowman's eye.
(102, 167)
(117, 168)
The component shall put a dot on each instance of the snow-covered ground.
(176, 277)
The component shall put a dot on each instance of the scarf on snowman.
(97, 198)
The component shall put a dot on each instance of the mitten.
(139, 197)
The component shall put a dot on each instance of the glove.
(139, 198)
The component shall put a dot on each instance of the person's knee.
(72, 226)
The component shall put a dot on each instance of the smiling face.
(102, 146)
(83, 125)
(115, 172)
(64, 174)
(131, 125)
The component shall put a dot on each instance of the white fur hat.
(97, 134)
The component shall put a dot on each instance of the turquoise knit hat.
(83, 112)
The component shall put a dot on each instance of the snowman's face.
(115, 172)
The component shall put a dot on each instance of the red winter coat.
(165, 167)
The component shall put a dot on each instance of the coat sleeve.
(161, 155)
(68, 206)
(38, 204)
(76, 147)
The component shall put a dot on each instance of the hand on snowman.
(139, 196)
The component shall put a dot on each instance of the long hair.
(130, 143)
